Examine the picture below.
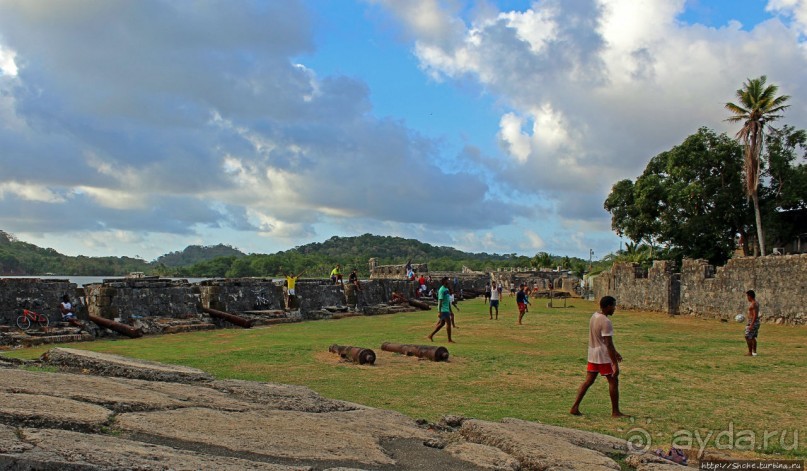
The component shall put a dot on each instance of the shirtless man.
(752, 329)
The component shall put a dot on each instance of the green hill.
(317, 259)
(22, 258)
(196, 253)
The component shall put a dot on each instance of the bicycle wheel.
(43, 321)
(23, 322)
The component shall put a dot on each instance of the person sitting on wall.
(336, 275)
(66, 309)
(397, 298)
(68, 312)
(422, 283)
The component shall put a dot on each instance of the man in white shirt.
(602, 356)
(66, 308)
(495, 294)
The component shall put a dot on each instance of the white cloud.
(30, 192)
(795, 9)
(172, 118)
(155, 117)
(597, 88)
(535, 241)
(7, 64)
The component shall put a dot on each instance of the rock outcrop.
(177, 418)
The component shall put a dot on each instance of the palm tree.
(758, 104)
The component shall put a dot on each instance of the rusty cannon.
(358, 355)
(232, 318)
(117, 327)
(419, 304)
(420, 351)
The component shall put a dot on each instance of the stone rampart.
(395, 271)
(636, 288)
(717, 292)
(780, 283)
(142, 297)
(42, 296)
(241, 294)
(468, 282)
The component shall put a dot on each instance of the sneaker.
(754, 354)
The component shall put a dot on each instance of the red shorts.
(522, 307)
(604, 369)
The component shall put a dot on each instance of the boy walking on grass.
(522, 301)
(602, 356)
(444, 314)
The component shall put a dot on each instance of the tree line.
(711, 193)
(316, 259)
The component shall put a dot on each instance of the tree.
(787, 170)
(783, 195)
(758, 104)
(688, 199)
(541, 260)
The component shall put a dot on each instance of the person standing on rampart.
(291, 283)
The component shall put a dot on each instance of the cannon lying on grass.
(420, 351)
(355, 354)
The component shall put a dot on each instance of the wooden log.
(421, 351)
(355, 354)
(117, 327)
(232, 318)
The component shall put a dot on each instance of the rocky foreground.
(106, 412)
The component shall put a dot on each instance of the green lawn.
(681, 376)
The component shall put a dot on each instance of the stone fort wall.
(42, 296)
(780, 283)
(135, 298)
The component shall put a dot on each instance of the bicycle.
(28, 317)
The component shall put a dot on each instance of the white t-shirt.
(494, 294)
(599, 327)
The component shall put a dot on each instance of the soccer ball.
(739, 318)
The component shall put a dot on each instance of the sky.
(139, 128)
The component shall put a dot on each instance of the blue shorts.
(494, 303)
(751, 331)
(445, 316)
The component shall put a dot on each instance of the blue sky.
(138, 128)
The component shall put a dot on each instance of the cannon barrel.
(355, 354)
(419, 304)
(117, 327)
(420, 351)
(232, 318)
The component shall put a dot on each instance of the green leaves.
(689, 199)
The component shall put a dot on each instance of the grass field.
(682, 377)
